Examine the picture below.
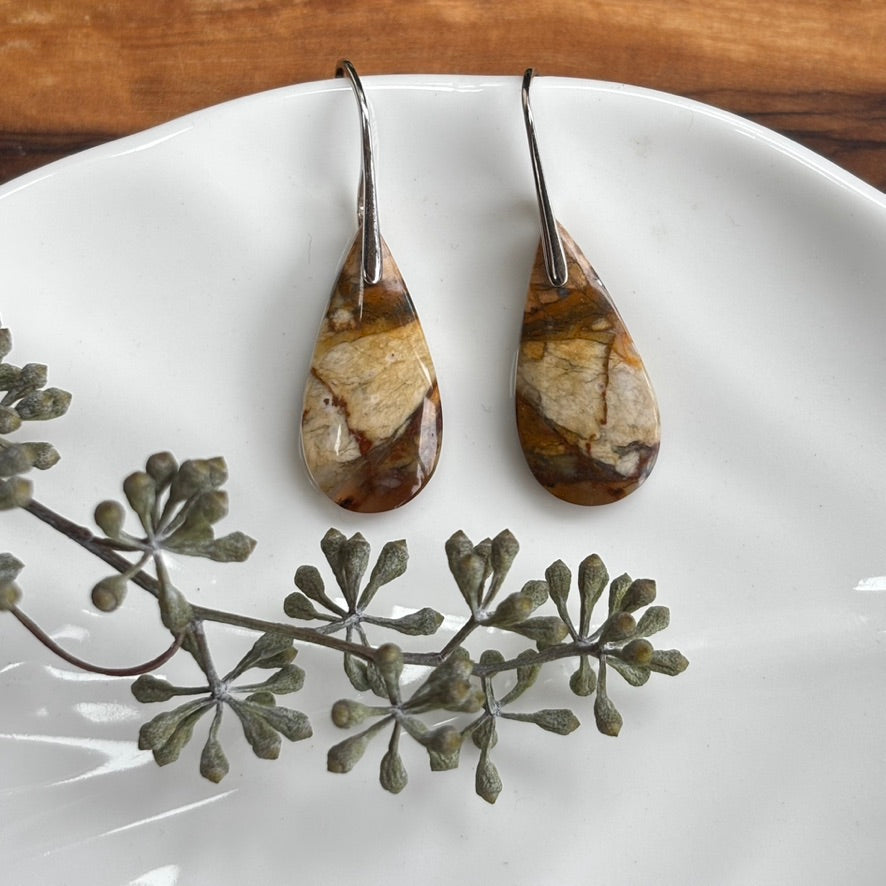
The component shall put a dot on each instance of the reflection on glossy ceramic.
(172, 282)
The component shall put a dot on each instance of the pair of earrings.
(587, 417)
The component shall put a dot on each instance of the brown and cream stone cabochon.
(587, 416)
(371, 423)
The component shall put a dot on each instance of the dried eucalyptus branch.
(172, 508)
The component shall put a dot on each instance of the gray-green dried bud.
(31, 377)
(15, 493)
(347, 713)
(344, 756)
(8, 377)
(289, 678)
(638, 652)
(44, 405)
(504, 550)
(208, 507)
(391, 564)
(619, 626)
(15, 459)
(162, 466)
(109, 517)
(487, 781)
(141, 493)
(558, 720)
(443, 745)
(544, 630)
(171, 750)
(108, 594)
(592, 579)
(640, 593)
(653, 620)
(356, 671)
(422, 623)
(262, 737)
(668, 661)
(484, 734)
(232, 548)
(5, 342)
(10, 420)
(292, 725)
(389, 664)
(559, 580)
(609, 720)
(512, 610)
(10, 595)
(149, 689)
(617, 590)
(175, 611)
(194, 475)
(392, 772)
(10, 567)
(213, 762)
(43, 455)
(353, 559)
(157, 732)
(297, 605)
(634, 675)
(583, 681)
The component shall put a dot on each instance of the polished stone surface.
(372, 423)
(587, 416)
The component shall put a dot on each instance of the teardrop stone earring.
(371, 424)
(587, 416)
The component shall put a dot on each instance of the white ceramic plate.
(174, 280)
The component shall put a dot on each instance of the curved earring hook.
(367, 201)
(552, 245)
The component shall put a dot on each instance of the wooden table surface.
(74, 73)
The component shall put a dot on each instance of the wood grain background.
(74, 73)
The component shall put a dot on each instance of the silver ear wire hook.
(552, 245)
(367, 201)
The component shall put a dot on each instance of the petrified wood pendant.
(586, 413)
(372, 424)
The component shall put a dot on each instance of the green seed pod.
(171, 750)
(356, 671)
(392, 772)
(389, 664)
(391, 564)
(10, 420)
(149, 689)
(5, 343)
(289, 678)
(297, 605)
(347, 713)
(668, 661)
(108, 594)
(583, 681)
(263, 698)
(559, 579)
(232, 548)
(487, 782)
(637, 652)
(109, 517)
(44, 405)
(526, 675)
(640, 593)
(32, 377)
(262, 737)
(592, 579)
(15, 493)
(156, 732)
(141, 493)
(197, 475)
(8, 376)
(653, 620)
(162, 466)
(619, 626)
(209, 507)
